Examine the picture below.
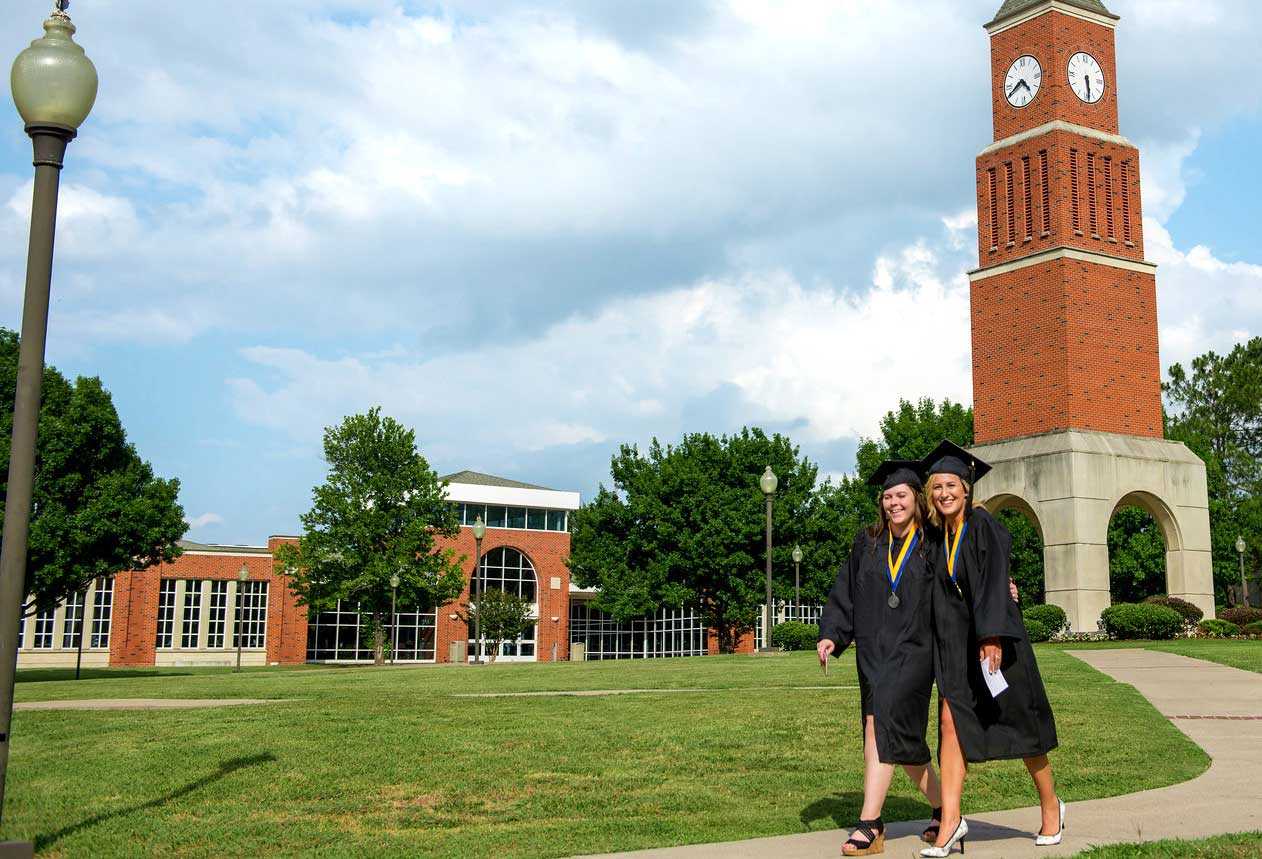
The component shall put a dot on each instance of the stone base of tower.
(1069, 483)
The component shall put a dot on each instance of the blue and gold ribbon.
(896, 567)
(953, 553)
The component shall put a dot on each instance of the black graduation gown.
(894, 646)
(1019, 723)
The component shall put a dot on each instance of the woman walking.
(979, 636)
(882, 601)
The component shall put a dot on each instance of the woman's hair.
(919, 515)
(934, 516)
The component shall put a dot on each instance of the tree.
(503, 617)
(1215, 408)
(1137, 556)
(97, 507)
(378, 514)
(684, 524)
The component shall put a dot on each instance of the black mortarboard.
(894, 472)
(950, 458)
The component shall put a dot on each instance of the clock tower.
(1066, 370)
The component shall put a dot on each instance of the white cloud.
(203, 520)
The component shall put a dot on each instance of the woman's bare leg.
(951, 760)
(1041, 771)
(924, 778)
(876, 777)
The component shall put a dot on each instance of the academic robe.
(894, 646)
(1018, 723)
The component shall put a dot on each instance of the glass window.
(192, 620)
(72, 622)
(517, 517)
(250, 628)
(495, 517)
(43, 638)
(166, 613)
(102, 612)
(537, 520)
(218, 619)
(472, 512)
(556, 520)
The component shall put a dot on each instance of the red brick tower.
(1066, 375)
(1064, 306)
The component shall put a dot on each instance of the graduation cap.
(950, 458)
(894, 472)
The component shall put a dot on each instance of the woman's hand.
(825, 649)
(1012, 589)
(992, 653)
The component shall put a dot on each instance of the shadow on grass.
(44, 675)
(843, 810)
(226, 768)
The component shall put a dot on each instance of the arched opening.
(509, 570)
(1142, 534)
(1026, 561)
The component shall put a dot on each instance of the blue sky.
(535, 231)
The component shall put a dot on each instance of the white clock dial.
(1025, 77)
(1086, 78)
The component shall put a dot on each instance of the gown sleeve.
(837, 621)
(992, 601)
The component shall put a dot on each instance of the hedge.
(1051, 616)
(1130, 620)
(1254, 628)
(1217, 627)
(794, 635)
(1241, 615)
(1191, 614)
(1036, 629)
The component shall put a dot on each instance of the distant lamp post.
(479, 531)
(797, 575)
(394, 617)
(1244, 586)
(54, 87)
(243, 576)
(768, 482)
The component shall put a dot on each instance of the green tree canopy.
(97, 508)
(499, 617)
(378, 514)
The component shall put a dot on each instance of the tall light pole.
(768, 482)
(1244, 586)
(54, 87)
(243, 575)
(797, 575)
(394, 617)
(479, 531)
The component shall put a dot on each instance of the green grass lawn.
(393, 763)
(1238, 653)
(1245, 846)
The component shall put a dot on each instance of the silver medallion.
(893, 601)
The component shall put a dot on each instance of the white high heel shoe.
(945, 850)
(1052, 840)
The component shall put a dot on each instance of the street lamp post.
(797, 575)
(243, 575)
(1244, 586)
(54, 87)
(768, 482)
(479, 531)
(394, 617)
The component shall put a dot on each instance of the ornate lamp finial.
(59, 9)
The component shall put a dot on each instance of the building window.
(1029, 197)
(21, 631)
(1011, 200)
(166, 613)
(414, 635)
(1047, 193)
(1074, 194)
(335, 636)
(43, 638)
(102, 612)
(217, 621)
(1126, 200)
(537, 520)
(250, 629)
(192, 620)
(72, 622)
(1108, 196)
(527, 518)
(800, 612)
(668, 632)
(994, 209)
(1091, 196)
(508, 570)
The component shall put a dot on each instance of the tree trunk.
(379, 640)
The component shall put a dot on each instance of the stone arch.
(1172, 533)
(1009, 501)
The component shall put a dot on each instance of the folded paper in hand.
(994, 682)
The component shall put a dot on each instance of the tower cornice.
(1063, 252)
(1013, 14)
(1052, 127)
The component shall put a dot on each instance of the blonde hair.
(934, 516)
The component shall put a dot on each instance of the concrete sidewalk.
(1219, 708)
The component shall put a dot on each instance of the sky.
(535, 231)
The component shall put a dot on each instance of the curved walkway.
(1219, 708)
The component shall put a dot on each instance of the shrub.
(792, 635)
(1213, 627)
(1130, 620)
(1254, 628)
(1037, 630)
(1241, 615)
(1190, 613)
(1051, 616)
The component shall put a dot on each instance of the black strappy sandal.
(875, 831)
(930, 834)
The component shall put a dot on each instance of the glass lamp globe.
(53, 81)
(243, 573)
(1240, 546)
(479, 529)
(768, 482)
(394, 581)
(797, 554)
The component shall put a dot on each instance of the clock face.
(1025, 77)
(1086, 78)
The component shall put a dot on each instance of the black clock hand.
(1088, 80)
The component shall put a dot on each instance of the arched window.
(508, 570)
